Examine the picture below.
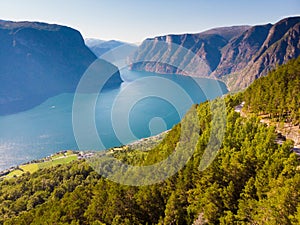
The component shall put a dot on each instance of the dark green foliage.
(277, 94)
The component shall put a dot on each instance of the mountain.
(184, 47)
(99, 47)
(281, 44)
(90, 42)
(227, 32)
(38, 61)
(239, 51)
(238, 55)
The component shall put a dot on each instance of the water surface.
(47, 128)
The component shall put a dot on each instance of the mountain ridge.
(101, 47)
(237, 55)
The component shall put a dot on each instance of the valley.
(196, 123)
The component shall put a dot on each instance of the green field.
(58, 159)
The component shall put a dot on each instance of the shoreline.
(81, 155)
(61, 157)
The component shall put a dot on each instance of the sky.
(134, 20)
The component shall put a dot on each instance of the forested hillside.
(277, 94)
(252, 180)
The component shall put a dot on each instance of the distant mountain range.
(100, 47)
(90, 42)
(112, 51)
(238, 55)
(38, 61)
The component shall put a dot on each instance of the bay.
(48, 128)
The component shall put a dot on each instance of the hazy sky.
(135, 20)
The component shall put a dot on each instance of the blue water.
(48, 128)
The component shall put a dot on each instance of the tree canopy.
(278, 93)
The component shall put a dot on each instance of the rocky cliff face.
(38, 61)
(239, 51)
(238, 55)
(281, 45)
(177, 55)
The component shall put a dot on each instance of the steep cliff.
(238, 55)
(240, 50)
(281, 45)
(176, 53)
(38, 61)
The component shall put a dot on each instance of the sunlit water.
(47, 128)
